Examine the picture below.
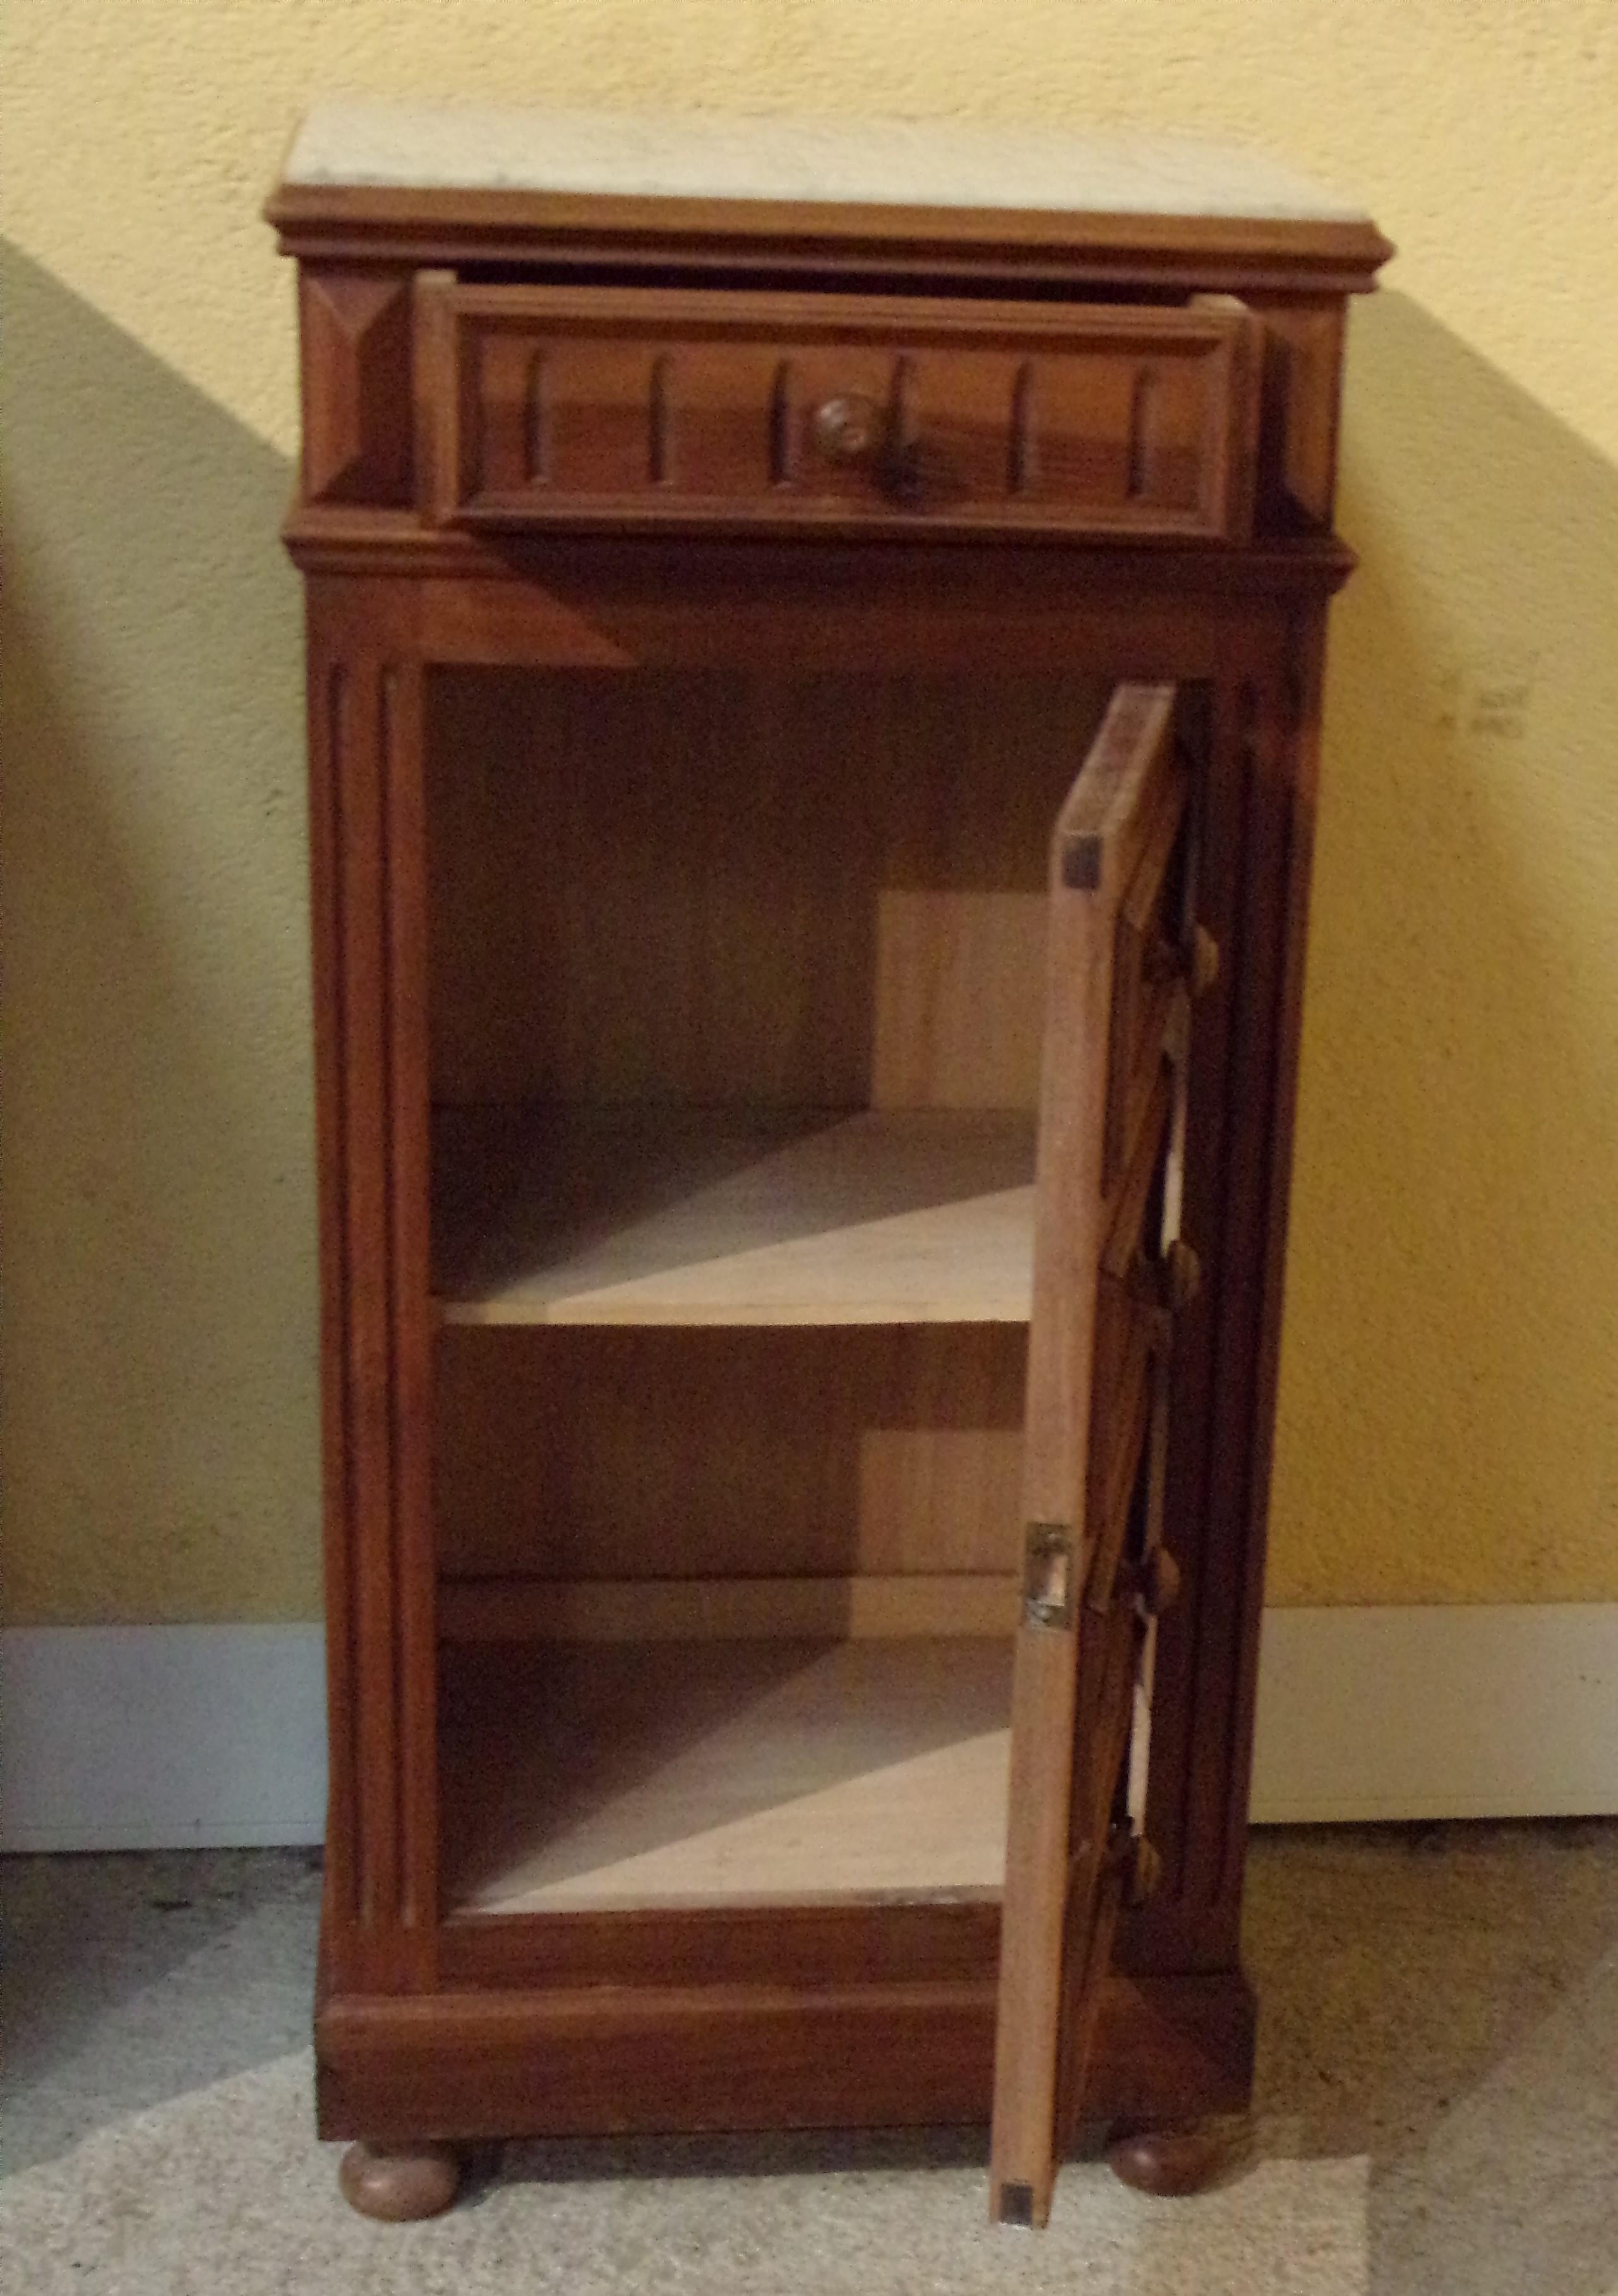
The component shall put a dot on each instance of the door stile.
(1099, 1318)
(1045, 1691)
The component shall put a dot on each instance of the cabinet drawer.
(583, 406)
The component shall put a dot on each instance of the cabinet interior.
(736, 1001)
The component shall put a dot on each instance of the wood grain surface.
(741, 828)
(588, 1777)
(655, 1217)
(792, 1451)
(804, 891)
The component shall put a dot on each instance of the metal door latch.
(1048, 1576)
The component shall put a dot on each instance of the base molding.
(169, 1737)
(461, 2066)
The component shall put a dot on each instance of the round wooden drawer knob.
(849, 428)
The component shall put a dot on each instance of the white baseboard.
(1474, 1710)
(165, 1737)
(161, 1737)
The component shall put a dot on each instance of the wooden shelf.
(655, 1217)
(593, 1778)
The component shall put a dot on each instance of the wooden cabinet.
(812, 712)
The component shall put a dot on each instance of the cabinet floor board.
(594, 1776)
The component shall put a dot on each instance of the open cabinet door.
(1108, 1272)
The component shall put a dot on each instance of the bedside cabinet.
(814, 644)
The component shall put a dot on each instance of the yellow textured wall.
(1449, 1414)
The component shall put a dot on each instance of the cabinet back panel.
(697, 887)
(588, 1453)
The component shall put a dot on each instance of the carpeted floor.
(224, 2192)
(1437, 2103)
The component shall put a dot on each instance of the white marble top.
(880, 162)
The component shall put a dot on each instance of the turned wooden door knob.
(1183, 1273)
(1202, 970)
(1171, 1281)
(1195, 962)
(1144, 1873)
(1159, 1582)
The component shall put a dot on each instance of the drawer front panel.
(583, 406)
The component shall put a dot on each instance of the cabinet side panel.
(1291, 789)
(366, 840)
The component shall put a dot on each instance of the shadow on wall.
(1448, 1421)
(157, 1368)
(1448, 1428)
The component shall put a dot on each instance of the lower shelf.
(597, 1777)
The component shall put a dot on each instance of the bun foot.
(398, 2183)
(1170, 2163)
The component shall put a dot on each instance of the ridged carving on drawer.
(611, 407)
